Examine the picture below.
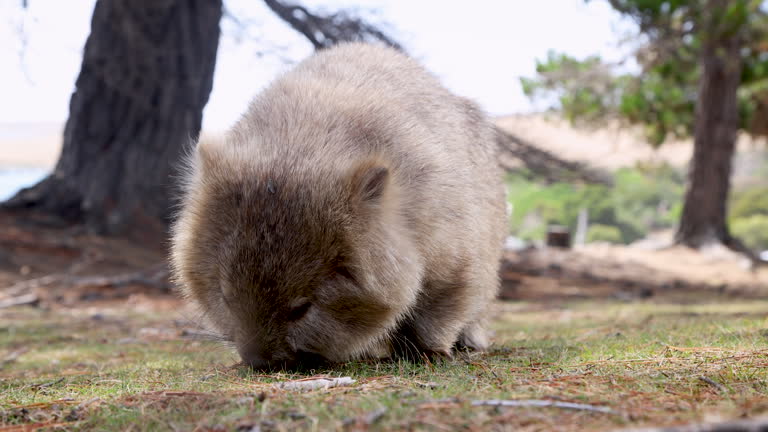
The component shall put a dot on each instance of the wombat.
(356, 209)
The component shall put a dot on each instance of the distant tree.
(704, 74)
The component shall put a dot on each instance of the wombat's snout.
(258, 359)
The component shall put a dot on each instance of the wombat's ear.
(369, 182)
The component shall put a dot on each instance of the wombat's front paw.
(378, 350)
(438, 354)
(473, 338)
(413, 351)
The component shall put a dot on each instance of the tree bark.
(146, 75)
(704, 220)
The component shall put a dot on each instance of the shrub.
(604, 233)
(642, 199)
(752, 230)
(749, 202)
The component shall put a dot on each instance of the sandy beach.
(31, 145)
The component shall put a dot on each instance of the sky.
(478, 51)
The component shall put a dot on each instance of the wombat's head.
(292, 263)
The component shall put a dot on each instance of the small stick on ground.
(13, 356)
(30, 427)
(755, 425)
(432, 403)
(719, 387)
(48, 384)
(22, 300)
(316, 383)
(540, 403)
(154, 278)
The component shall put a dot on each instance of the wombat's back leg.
(434, 323)
(451, 309)
(443, 318)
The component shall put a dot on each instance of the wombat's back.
(355, 100)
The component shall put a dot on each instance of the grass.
(126, 367)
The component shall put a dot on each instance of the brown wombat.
(356, 209)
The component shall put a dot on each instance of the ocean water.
(13, 179)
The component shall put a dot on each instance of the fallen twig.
(31, 284)
(730, 426)
(30, 427)
(88, 403)
(696, 349)
(540, 403)
(22, 300)
(374, 416)
(719, 387)
(314, 384)
(153, 278)
(48, 384)
(183, 393)
(366, 419)
(64, 401)
(436, 402)
(13, 356)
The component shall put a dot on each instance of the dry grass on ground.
(117, 365)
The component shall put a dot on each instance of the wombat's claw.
(473, 338)
(433, 355)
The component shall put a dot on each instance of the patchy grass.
(128, 366)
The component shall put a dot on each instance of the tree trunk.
(704, 212)
(146, 75)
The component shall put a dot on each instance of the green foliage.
(749, 202)
(752, 230)
(591, 92)
(662, 98)
(585, 89)
(647, 195)
(748, 216)
(641, 199)
(664, 110)
(603, 233)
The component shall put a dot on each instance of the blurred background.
(587, 84)
(624, 125)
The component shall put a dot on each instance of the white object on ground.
(314, 384)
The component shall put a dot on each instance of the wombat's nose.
(260, 360)
(256, 363)
(253, 357)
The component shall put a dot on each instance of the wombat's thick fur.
(356, 209)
